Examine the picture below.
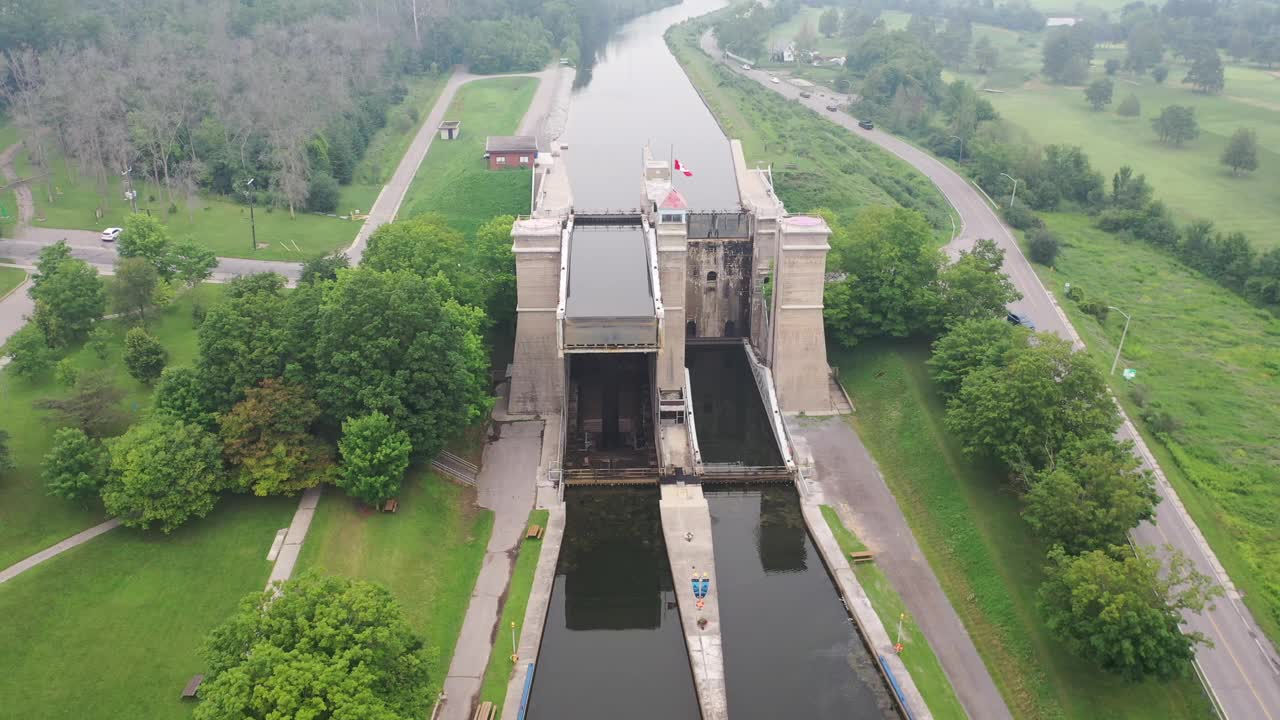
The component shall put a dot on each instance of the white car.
(111, 234)
(774, 80)
(746, 67)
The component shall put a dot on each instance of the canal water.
(636, 94)
(790, 648)
(613, 648)
(732, 424)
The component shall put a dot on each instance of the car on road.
(806, 94)
(111, 234)
(866, 125)
(1018, 319)
(774, 80)
(746, 67)
(833, 107)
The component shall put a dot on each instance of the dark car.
(866, 125)
(833, 108)
(1022, 320)
(806, 94)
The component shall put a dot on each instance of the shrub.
(29, 353)
(322, 196)
(1043, 246)
(1021, 217)
(1097, 309)
(75, 466)
(66, 372)
(144, 356)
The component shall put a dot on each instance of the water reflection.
(729, 414)
(790, 649)
(613, 645)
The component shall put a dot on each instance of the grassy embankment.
(223, 225)
(815, 164)
(454, 179)
(428, 554)
(30, 520)
(966, 519)
(514, 604)
(917, 655)
(10, 278)
(1212, 362)
(113, 629)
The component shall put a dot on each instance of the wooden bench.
(391, 505)
(193, 686)
(535, 532)
(486, 711)
(861, 556)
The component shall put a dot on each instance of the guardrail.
(610, 476)
(460, 469)
(732, 471)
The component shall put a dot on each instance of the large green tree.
(163, 472)
(244, 338)
(135, 286)
(973, 287)
(180, 393)
(1206, 73)
(970, 345)
(1125, 614)
(146, 237)
(1241, 152)
(75, 466)
(1024, 412)
(191, 263)
(375, 455)
(69, 296)
(144, 356)
(1176, 124)
(267, 443)
(320, 647)
(1099, 92)
(426, 245)
(392, 342)
(93, 405)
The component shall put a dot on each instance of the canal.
(733, 426)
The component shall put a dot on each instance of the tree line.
(1029, 405)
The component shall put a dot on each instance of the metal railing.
(609, 476)
(462, 470)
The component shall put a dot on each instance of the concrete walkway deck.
(535, 614)
(287, 558)
(686, 527)
(52, 551)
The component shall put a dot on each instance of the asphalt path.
(1242, 668)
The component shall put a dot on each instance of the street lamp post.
(128, 180)
(1013, 195)
(1123, 333)
(957, 137)
(253, 225)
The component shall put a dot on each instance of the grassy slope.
(113, 629)
(917, 655)
(222, 225)
(390, 144)
(1213, 364)
(967, 523)
(454, 179)
(30, 520)
(428, 554)
(815, 163)
(514, 604)
(10, 278)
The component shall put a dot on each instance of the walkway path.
(293, 539)
(1242, 668)
(76, 540)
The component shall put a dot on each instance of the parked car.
(866, 125)
(833, 107)
(746, 67)
(111, 234)
(806, 94)
(774, 80)
(1022, 320)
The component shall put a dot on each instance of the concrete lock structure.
(608, 301)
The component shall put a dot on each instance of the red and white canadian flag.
(680, 167)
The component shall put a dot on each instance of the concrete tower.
(537, 378)
(799, 350)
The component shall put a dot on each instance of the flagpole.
(671, 164)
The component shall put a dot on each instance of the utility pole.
(1123, 334)
(1013, 195)
(957, 137)
(253, 225)
(129, 193)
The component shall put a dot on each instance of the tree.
(375, 456)
(1128, 191)
(1095, 493)
(6, 461)
(1145, 48)
(323, 267)
(891, 266)
(954, 41)
(1023, 413)
(75, 467)
(134, 290)
(1206, 73)
(1129, 106)
(1066, 54)
(427, 246)
(1111, 66)
(146, 237)
(93, 405)
(1241, 152)
(1043, 247)
(243, 339)
(322, 193)
(69, 296)
(986, 54)
(192, 263)
(29, 352)
(1126, 615)
(320, 646)
(970, 345)
(266, 440)
(1098, 93)
(180, 393)
(144, 356)
(1176, 124)
(1159, 73)
(164, 472)
(973, 287)
(829, 22)
(392, 342)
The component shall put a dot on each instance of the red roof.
(674, 201)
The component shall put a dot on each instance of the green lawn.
(30, 520)
(389, 144)
(428, 554)
(816, 164)
(113, 629)
(966, 521)
(10, 278)
(454, 179)
(1213, 363)
(917, 655)
(514, 603)
(806, 15)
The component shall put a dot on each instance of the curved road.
(1242, 668)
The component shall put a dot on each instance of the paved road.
(1242, 669)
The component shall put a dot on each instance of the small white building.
(1061, 21)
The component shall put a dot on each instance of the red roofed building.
(673, 207)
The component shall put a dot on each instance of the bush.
(1021, 217)
(323, 193)
(1097, 309)
(144, 356)
(29, 353)
(76, 465)
(66, 372)
(375, 456)
(1043, 246)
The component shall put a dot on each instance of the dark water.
(790, 649)
(636, 93)
(727, 409)
(613, 648)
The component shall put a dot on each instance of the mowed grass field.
(514, 604)
(454, 178)
(31, 520)
(113, 629)
(966, 519)
(10, 278)
(1213, 362)
(428, 554)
